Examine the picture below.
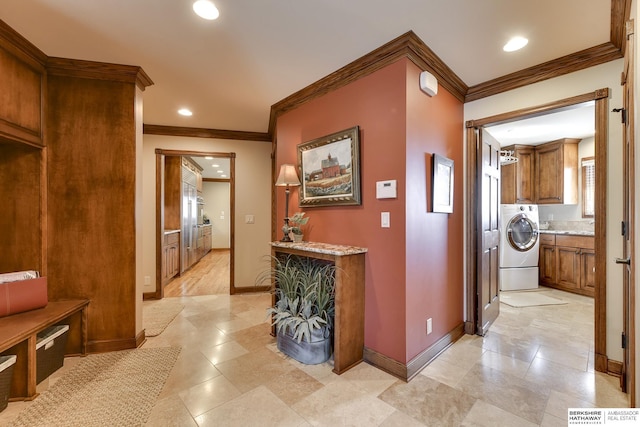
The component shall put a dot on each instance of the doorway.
(216, 178)
(600, 97)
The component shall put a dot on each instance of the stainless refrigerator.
(189, 219)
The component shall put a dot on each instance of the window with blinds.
(588, 187)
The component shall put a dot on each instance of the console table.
(348, 333)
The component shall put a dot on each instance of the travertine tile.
(429, 401)
(510, 393)
(527, 371)
(258, 407)
(483, 414)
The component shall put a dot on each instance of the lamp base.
(286, 229)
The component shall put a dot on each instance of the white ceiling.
(575, 122)
(230, 71)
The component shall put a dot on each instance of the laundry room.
(548, 201)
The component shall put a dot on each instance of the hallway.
(209, 276)
(533, 364)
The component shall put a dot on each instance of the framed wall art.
(330, 169)
(442, 191)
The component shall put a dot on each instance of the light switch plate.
(385, 219)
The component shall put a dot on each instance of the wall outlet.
(147, 280)
(429, 325)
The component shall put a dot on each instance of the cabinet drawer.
(207, 230)
(170, 239)
(548, 239)
(585, 242)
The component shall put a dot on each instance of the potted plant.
(304, 307)
(295, 225)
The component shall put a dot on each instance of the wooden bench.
(18, 334)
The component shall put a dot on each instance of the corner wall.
(399, 288)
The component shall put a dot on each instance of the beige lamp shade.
(288, 176)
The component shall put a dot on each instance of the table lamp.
(288, 177)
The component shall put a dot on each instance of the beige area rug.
(528, 299)
(109, 389)
(156, 315)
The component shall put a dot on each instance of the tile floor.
(533, 364)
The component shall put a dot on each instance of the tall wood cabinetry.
(544, 174)
(71, 191)
(22, 156)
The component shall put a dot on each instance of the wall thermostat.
(386, 189)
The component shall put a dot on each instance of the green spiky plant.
(305, 295)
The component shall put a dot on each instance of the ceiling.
(230, 71)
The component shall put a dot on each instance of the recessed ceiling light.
(220, 171)
(185, 112)
(515, 43)
(215, 166)
(223, 176)
(206, 10)
(208, 157)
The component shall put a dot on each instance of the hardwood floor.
(209, 276)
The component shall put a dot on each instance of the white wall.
(216, 207)
(252, 196)
(584, 81)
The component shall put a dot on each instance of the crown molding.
(205, 133)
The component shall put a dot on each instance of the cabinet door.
(547, 264)
(588, 270)
(568, 266)
(166, 261)
(525, 175)
(548, 162)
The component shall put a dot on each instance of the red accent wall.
(399, 127)
(434, 242)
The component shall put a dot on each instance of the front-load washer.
(519, 247)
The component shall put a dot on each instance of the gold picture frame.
(330, 170)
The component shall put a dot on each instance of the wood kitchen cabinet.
(556, 172)
(518, 178)
(567, 262)
(170, 256)
(207, 238)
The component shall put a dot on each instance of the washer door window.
(522, 233)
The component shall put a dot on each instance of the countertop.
(171, 231)
(322, 248)
(568, 232)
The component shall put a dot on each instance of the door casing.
(601, 98)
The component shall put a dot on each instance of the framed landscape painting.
(330, 169)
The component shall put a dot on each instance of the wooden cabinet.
(545, 174)
(207, 238)
(547, 259)
(556, 172)
(170, 256)
(22, 89)
(567, 262)
(518, 178)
